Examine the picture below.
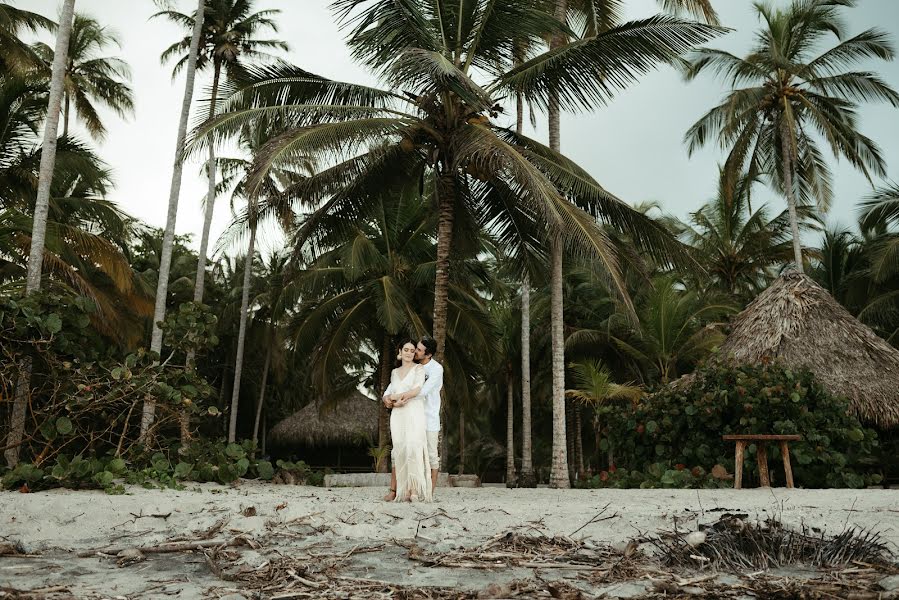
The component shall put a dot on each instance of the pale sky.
(633, 147)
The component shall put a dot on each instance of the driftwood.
(169, 547)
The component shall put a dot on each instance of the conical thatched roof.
(796, 322)
(350, 421)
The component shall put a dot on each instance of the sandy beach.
(374, 538)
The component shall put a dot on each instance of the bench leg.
(762, 455)
(788, 470)
(738, 465)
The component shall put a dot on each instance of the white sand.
(59, 523)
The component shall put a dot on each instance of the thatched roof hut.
(798, 323)
(352, 421)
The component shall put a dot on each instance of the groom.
(424, 353)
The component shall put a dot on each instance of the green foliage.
(684, 425)
(655, 475)
(83, 397)
(203, 461)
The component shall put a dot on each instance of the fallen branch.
(165, 548)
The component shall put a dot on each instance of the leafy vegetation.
(677, 431)
(416, 207)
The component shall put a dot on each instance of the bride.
(407, 428)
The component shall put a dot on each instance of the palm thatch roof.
(351, 421)
(797, 323)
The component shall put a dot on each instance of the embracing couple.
(414, 396)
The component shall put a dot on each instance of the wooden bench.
(761, 442)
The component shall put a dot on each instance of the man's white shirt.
(431, 391)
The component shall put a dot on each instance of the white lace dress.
(410, 442)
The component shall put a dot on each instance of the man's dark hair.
(430, 345)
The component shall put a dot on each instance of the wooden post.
(762, 456)
(738, 465)
(788, 470)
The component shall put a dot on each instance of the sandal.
(391, 496)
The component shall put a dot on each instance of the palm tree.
(739, 247)
(228, 40)
(17, 57)
(598, 19)
(91, 78)
(168, 236)
(39, 227)
(262, 202)
(275, 303)
(441, 128)
(793, 93)
(678, 327)
(594, 386)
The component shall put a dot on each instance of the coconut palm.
(795, 96)
(39, 226)
(595, 19)
(228, 40)
(17, 57)
(678, 327)
(737, 246)
(90, 77)
(168, 236)
(263, 203)
(442, 127)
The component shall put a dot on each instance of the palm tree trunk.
(559, 473)
(264, 429)
(241, 334)
(786, 150)
(569, 439)
(510, 432)
(526, 477)
(200, 280)
(461, 441)
(383, 413)
(39, 225)
(261, 403)
(446, 193)
(65, 121)
(48, 148)
(446, 196)
(578, 441)
(168, 237)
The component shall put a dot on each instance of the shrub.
(683, 426)
(203, 461)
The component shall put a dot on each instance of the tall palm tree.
(263, 200)
(41, 209)
(228, 39)
(793, 96)
(597, 19)
(441, 127)
(168, 236)
(90, 77)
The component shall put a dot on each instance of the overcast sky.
(633, 146)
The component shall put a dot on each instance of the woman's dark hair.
(399, 349)
(430, 345)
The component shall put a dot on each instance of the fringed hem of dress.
(418, 484)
